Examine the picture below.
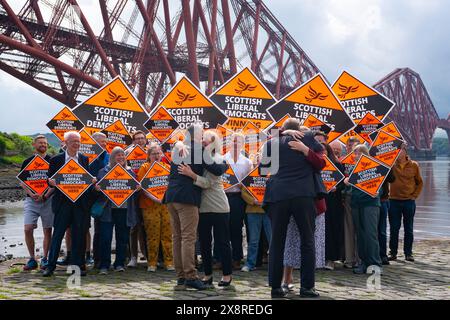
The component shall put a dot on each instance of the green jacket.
(362, 199)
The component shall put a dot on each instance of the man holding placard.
(37, 205)
(69, 212)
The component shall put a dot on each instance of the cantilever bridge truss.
(53, 46)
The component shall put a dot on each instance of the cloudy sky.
(368, 38)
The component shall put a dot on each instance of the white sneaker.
(329, 265)
(245, 269)
(103, 271)
(132, 263)
(170, 268)
(119, 269)
(151, 269)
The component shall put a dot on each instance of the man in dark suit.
(183, 201)
(290, 191)
(67, 213)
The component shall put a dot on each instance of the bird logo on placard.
(113, 97)
(84, 139)
(71, 169)
(346, 90)
(116, 128)
(117, 174)
(313, 123)
(157, 171)
(244, 87)
(383, 139)
(184, 97)
(139, 154)
(37, 165)
(314, 95)
(65, 116)
(364, 164)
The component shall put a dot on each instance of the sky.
(368, 38)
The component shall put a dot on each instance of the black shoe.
(225, 283)
(47, 273)
(309, 293)
(195, 284)
(409, 258)
(278, 293)
(392, 257)
(385, 261)
(208, 282)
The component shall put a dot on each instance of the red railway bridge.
(51, 46)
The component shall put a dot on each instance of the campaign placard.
(117, 136)
(367, 125)
(227, 138)
(316, 125)
(386, 148)
(161, 124)
(118, 185)
(112, 102)
(331, 175)
(63, 122)
(156, 180)
(359, 99)
(187, 105)
(35, 175)
(349, 162)
(255, 184)
(136, 158)
(229, 178)
(390, 128)
(166, 146)
(244, 98)
(72, 180)
(368, 175)
(89, 147)
(351, 134)
(315, 97)
(254, 138)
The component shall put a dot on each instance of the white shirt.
(68, 158)
(241, 168)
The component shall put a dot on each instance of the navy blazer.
(181, 188)
(296, 176)
(59, 199)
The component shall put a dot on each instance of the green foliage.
(441, 146)
(2, 147)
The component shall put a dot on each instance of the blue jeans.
(256, 221)
(399, 209)
(382, 228)
(119, 222)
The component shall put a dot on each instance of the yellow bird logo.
(184, 97)
(244, 87)
(113, 97)
(346, 90)
(314, 95)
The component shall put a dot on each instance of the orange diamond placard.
(349, 162)
(117, 135)
(386, 148)
(72, 180)
(331, 175)
(114, 101)
(315, 97)
(254, 138)
(390, 128)
(136, 158)
(368, 175)
(359, 99)
(255, 184)
(89, 147)
(35, 175)
(166, 146)
(315, 124)
(229, 178)
(118, 185)
(63, 122)
(156, 180)
(244, 98)
(367, 125)
(187, 105)
(161, 124)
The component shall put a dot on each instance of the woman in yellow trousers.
(156, 218)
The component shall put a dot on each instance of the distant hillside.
(15, 148)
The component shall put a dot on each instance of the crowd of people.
(201, 226)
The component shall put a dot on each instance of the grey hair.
(69, 134)
(98, 134)
(114, 153)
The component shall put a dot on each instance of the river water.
(432, 219)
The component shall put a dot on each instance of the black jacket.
(59, 199)
(296, 176)
(181, 188)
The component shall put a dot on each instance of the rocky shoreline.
(10, 189)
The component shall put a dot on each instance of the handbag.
(98, 207)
